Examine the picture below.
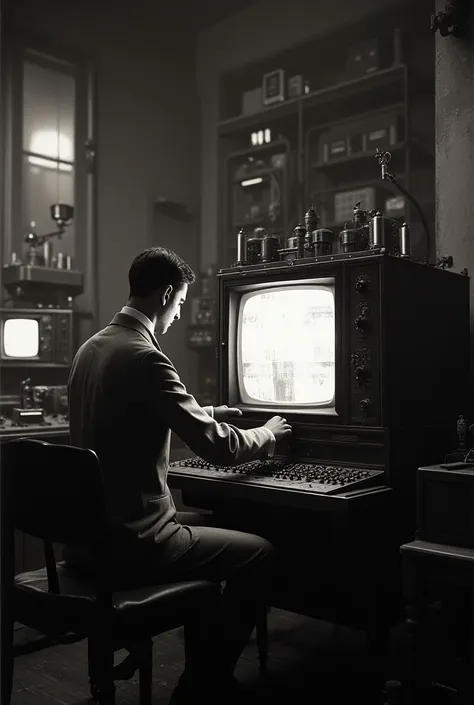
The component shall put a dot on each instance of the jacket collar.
(126, 321)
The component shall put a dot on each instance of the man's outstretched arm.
(218, 443)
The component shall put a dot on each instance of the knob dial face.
(362, 319)
(360, 362)
(362, 283)
(360, 323)
(364, 405)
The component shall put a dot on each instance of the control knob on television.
(362, 284)
(361, 373)
(362, 320)
(364, 405)
(360, 361)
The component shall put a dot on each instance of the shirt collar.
(139, 316)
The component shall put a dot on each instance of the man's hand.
(280, 428)
(225, 414)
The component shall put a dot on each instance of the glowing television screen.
(286, 346)
(21, 338)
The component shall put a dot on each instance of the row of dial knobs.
(362, 371)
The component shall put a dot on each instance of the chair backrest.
(53, 492)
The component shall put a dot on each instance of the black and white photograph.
(236, 370)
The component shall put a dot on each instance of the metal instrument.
(241, 247)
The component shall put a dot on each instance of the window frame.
(15, 51)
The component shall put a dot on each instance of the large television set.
(367, 355)
(356, 351)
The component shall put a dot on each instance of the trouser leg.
(243, 561)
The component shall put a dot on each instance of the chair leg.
(393, 693)
(146, 674)
(7, 659)
(101, 671)
(261, 628)
(92, 663)
(378, 638)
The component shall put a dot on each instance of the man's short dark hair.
(155, 267)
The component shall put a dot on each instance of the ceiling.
(199, 13)
(190, 14)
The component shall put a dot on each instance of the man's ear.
(167, 295)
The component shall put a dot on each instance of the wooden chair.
(55, 492)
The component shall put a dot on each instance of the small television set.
(35, 337)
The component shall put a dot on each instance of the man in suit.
(125, 398)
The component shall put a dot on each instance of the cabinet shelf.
(356, 115)
(255, 174)
(345, 89)
(356, 157)
(285, 109)
(257, 150)
(354, 86)
(363, 183)
(33, 365)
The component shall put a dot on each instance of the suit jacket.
(125, 398)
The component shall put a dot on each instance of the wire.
(393, 180)
(467, 457)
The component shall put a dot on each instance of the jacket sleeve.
(217, 443)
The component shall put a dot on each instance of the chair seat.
(75, 608)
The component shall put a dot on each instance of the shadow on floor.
(310, 660)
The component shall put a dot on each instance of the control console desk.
(293, 485)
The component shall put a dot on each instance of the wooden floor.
(313, 661)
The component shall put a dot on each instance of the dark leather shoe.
(125, 670)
